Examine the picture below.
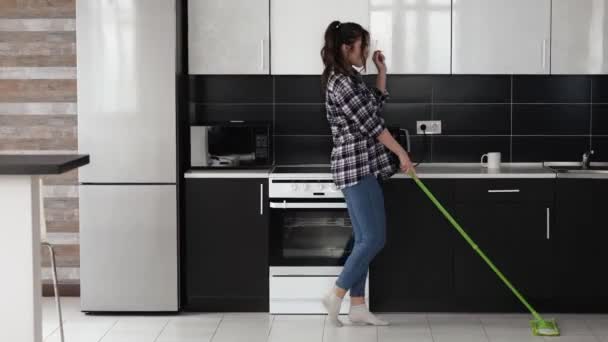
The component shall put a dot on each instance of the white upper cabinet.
(228, 36)
(298, 28)
(414, 35)
(501, 36)
(579, 37)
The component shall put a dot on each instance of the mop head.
(544, 327)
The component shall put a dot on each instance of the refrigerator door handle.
(261, 199)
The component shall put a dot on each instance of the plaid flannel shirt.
(353, 112)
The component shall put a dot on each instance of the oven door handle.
(308, 205)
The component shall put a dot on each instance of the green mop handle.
(472, 243)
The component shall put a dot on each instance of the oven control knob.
(305, 187)
(321, 186)
(333, 187)
(294, 187)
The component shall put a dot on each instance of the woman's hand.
(405, 164)
(378, 59)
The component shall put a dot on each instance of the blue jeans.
(365, 204)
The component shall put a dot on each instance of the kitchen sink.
(577, 171)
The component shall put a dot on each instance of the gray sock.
(332, 304)
(361, 314)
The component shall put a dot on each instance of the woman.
(359, 158)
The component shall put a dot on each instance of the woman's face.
(354, 55)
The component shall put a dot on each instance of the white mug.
(493, 160)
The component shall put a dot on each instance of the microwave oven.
(230, 144)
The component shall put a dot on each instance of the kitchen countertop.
(228, 173)
(38, 164)
(427, 170)
(476, 171)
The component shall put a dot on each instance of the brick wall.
(38, 110)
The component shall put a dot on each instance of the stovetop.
(302, 181)
(301, 169)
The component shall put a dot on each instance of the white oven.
(310, 238)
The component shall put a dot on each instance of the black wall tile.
(600, 89)
(298, 89)
(301, 119)
(201, 113)
(406, 115)
(492, 119)
(420, 149)
(600, 147)
(600, 119)
(557, 119)
(467, 148)
(231, 88)
(294, 149)
(536, 149)
(551, 89)
(472, 89)
(406, 88)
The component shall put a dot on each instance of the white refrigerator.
(126, 59)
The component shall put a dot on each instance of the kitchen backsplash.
(527, 118)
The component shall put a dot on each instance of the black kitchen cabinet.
(581, 251)
(511, 221)
(226, 245)
(414, 270)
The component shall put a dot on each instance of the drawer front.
(504, 190)
(295, 293)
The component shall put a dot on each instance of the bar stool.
(45, 243)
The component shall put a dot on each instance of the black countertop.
(35, 164)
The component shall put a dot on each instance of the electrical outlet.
(432, 127)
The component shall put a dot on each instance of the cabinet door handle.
(503, 191)
(544, 54)
(307, 205)
(548, 223)
(261, 199)
(262, 54)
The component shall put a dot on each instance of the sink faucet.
(587, 159)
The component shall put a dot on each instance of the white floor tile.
(196, 320)
(136, 329)
(131, 336)
(456, 325)
(573, 327)
(84, 331)
(190, 328)
(598, 325)
(395, 335)
(405, 328)
(456, 316)
(459, 337)
(183, 334)
(408, 324)
(246, 328)
(48, 328)
(295, 328)
(350, 333)
(506, 326)
(247, 315)
(299, 318)
(572, 339)
(529, 338)
(491, 315)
